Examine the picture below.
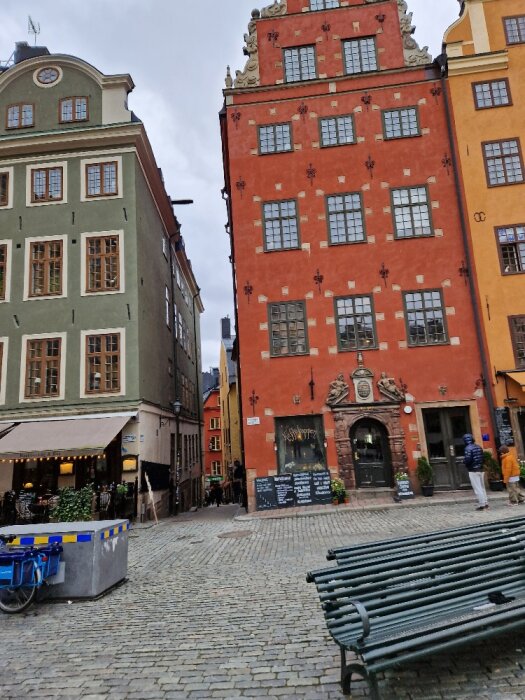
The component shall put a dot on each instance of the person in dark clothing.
(473, 460)
(218, 494)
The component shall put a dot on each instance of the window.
(355, 323)
(2, 392)
(281, 228)
(46, 185)
(101, 179)
(102, 363)
(425, 318)
(337, 131)
(493, 94)
(411, 212)
(216, 469)
(503, 162)
(515, 29)
(323, 4)
(517, 330)
(345, 218)
(20, 116)
(3, 271)
(215, 423)
(103, 264)
(511, 241)
(215, 443)
(45, 271)
(275, 138)
(288, 329)
(167, 305)
(400, 123)
(299, 64)
(360, 55)
(74, 109)
(4, 189)
(43, 368)
(300, 444)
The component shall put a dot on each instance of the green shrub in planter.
(424, 472)
(73, 506)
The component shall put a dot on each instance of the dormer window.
(323, 4)
(73, 109)
(20, 116)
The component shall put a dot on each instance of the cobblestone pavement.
(218, 608)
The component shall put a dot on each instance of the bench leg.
(359, 670)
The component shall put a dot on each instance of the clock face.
(46, 76)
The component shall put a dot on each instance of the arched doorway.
(371, 454)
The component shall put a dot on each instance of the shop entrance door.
(444, 430)
(372, 458)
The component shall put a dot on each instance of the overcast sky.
(176, 52)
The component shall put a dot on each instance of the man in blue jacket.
(473, 461)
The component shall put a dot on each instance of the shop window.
(511, 242)
(411, 210)
(281, 226)
(103, 264)
(74, 109)
(103, 363)
(360, 55)
(515, 29)
(20, 116)
(503, 162)
(299, 64)
(300, 444)
(355, 323)
(496, 93)
(45, 270)
(337, 131)
(425, 318)
(275, 138)
(288, 329)
(400, 123)
(43, 368)
(517, 329)
(345, 218)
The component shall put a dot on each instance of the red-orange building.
(213, 462)
(358, 345)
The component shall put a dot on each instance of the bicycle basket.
(50, 559)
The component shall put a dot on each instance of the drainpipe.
(466, 245)
(199, 400)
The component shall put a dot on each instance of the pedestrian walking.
(473, 460)
(218, 494)
(511, 475)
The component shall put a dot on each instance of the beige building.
(229, 401)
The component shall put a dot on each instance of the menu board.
(265, 497)
(503, 424)
(404, 489)
(302, 486)
(284, 491)
(321, 489)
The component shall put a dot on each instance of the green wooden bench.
(389, 609)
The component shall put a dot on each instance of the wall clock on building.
(46, 77)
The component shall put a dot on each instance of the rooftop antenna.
(33, 27)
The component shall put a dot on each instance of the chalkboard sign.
(321, 491)
(302, 486)
(503, 424)
(265, 497)
(284, 491)
(404, 490)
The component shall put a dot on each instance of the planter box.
(427, 490)
(94, 559)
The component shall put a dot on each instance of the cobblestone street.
(219, 608)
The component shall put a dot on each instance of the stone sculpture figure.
(338, 390)
(388, 387)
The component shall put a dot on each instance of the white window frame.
(10, 188)
(8, 268)
(122, 366)
(63, 352)
(109, 158)
(4, 341)
(216, 468)
(83, 260)
(215, 423)
(45, 166)
(27, 276)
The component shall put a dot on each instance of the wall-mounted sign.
(129, 438)
(253, 420)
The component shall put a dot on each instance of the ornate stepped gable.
(250, 77)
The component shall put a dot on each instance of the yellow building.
(230, 420)
(486, 64)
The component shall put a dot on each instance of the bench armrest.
(365, 620)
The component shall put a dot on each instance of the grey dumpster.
(95, 556)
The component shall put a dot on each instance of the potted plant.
(338, 490)
(425, 476)
(73, 506)
(493, 470)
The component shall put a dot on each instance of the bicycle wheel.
(19, 598)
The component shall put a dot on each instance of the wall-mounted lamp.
(66, 468)
(129, 464)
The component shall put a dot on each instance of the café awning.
(61, 438)
(518, 377)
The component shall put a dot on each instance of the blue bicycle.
(23, 570)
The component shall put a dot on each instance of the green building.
(100, 369)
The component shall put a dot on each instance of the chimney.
(23, 51)
(226, 328)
